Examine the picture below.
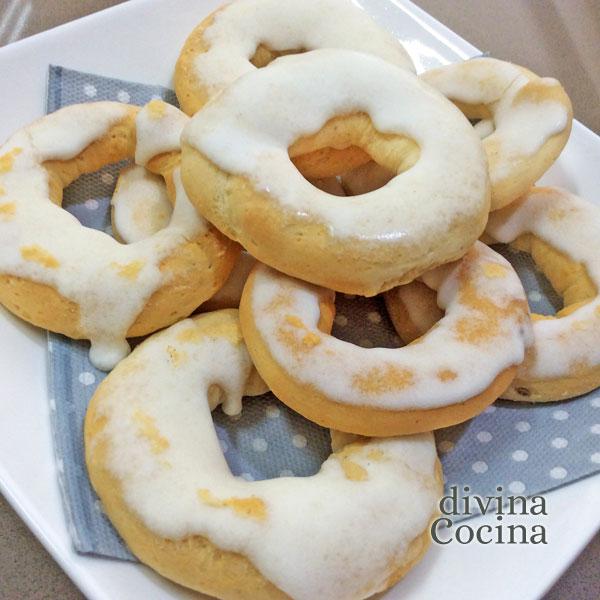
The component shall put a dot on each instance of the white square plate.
(139, 41)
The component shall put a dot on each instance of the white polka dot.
(558, 473)
(522, 426)
(107, 178)
(341, 320)
(446, 446)
(91, 204)
(595, 402)
(224, 445)
(90, 90)
(595, 429)
(489, 410)
(259, 444)
(86, 378)
(595, 458)
(374, 316)
(560, 415)
(534, 296)
(98, 506)
(365, 343)
(247, 476)
(52, 404)
(123, 96)
(516, 487)
(350, 296)
(50, 347)
(286, 473)
(299, 441)
(484, 437)
(520, 455)
(559, 443)
(272, 411)
(479, 467)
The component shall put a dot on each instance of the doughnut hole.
(568, 278)
(348, 156)
(265, 55)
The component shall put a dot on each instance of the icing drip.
(287, 527)
(109, 282)
(281, 25)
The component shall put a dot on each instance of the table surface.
(560, 38)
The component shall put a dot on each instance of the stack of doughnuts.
(309, 159)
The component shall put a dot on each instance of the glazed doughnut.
(562, 234)
(78, 281)
(244, 183)
(140, 205)
(525, 119)
(249, 34)
(154, 458)
(455, 371)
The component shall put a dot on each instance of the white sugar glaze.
(239, 28)
(470, 344)
(572, 226)
(245, 132)
(158, 128)
(313, 527)
(85, 265)
(140, 203)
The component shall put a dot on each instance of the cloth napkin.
(527, 449)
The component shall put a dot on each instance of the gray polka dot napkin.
(523, 448)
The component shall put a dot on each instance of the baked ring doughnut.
(62, 276)
(154, 458)
(525, 119)
(562, 234)
(454, 372)
(244, 182)
(249, 34)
